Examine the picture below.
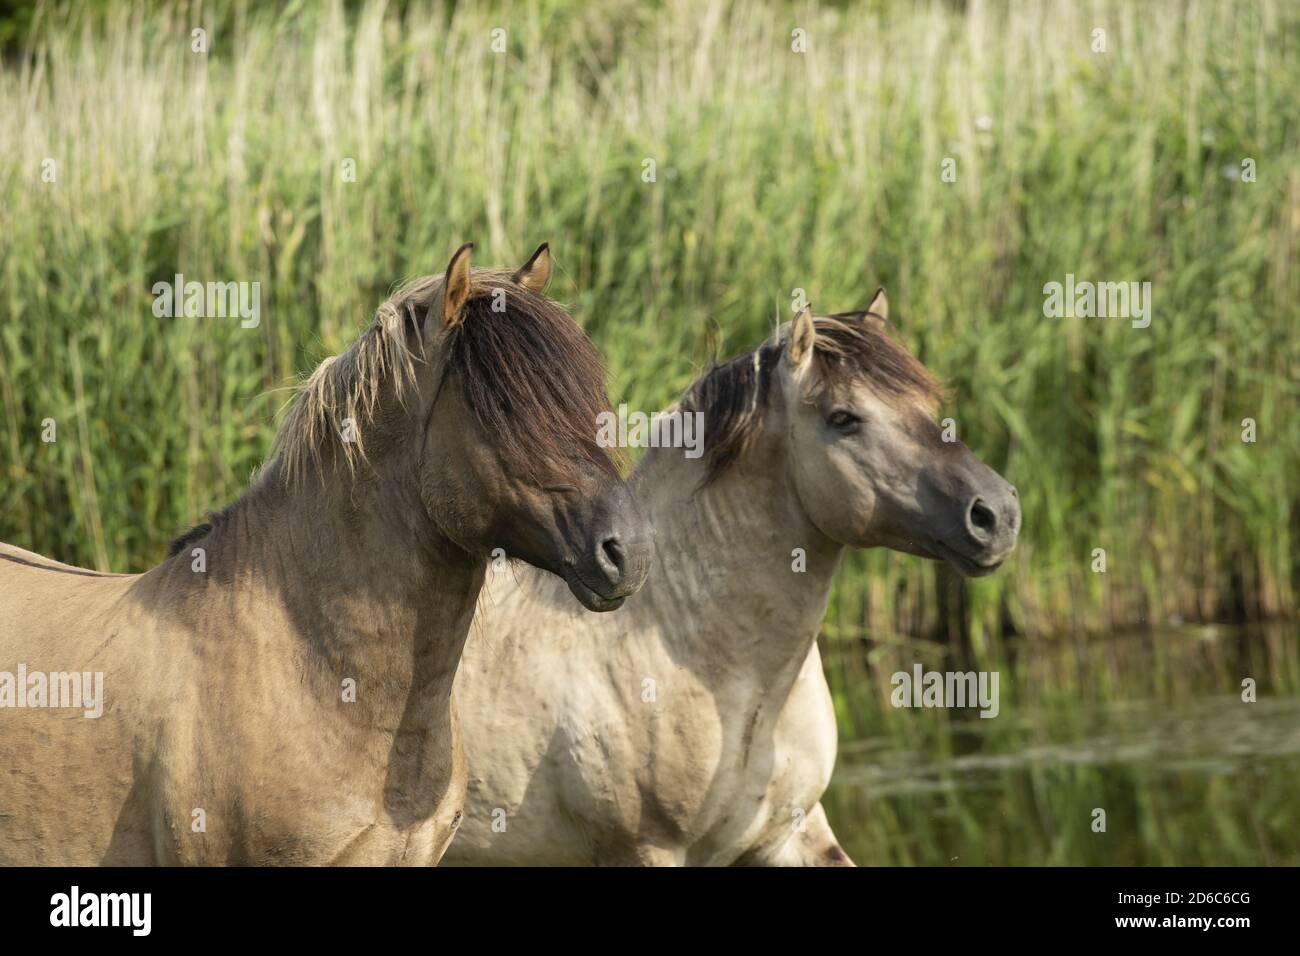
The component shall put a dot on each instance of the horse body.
(226, 736)
(40, 611)
(696, 727)
(280, 688)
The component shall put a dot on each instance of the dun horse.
(279, 690)
(696, 727)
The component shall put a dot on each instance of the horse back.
(68, 754)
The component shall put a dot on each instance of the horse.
(696, 726)
(279, 689)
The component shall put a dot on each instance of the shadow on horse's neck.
(354, 561)
(726, 585)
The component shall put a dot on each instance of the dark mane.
(533, 381)
(734, 395)
(183, 541)
(199, 531)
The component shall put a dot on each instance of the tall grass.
(775, 170)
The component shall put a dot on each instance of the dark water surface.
(1150, 728)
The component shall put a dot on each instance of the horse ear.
(536, 272)
(803, 337)
(879, 306)
(456, 284)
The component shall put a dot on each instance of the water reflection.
(1150, 728)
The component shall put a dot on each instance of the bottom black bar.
(333, 906)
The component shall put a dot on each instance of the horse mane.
(849, 347)
(183, 541)
(530, 377)
(532, 380)
(347, 387)
(200, 531)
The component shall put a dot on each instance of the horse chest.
(709, 781)
(752, 778)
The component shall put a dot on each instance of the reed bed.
(774, 170)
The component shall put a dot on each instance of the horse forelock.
(849, 347)
(533, 381)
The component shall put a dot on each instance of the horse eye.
(844, 420)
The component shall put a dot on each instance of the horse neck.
(368, 590)
(726, 596)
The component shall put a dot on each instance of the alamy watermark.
(922, 688)
(54, 690)
(1098, 300)
(75, 908)
(209, 300)
(674, 429)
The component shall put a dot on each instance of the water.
(1150, 729)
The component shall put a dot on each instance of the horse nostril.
(982, 516)
(612, 559)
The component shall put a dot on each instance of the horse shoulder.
(807, 729)
(795, 831)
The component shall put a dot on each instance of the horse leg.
(812, 845)
(640, 854)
